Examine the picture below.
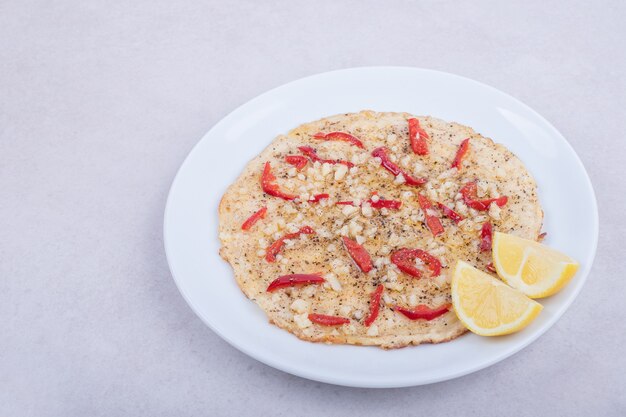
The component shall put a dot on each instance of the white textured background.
(100, 101)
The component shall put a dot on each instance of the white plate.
(207, 283)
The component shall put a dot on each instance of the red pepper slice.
(485, 237)
(382, 153)
(470, 194)
(404, 259)
(312, 154)
(418, 137)
(491, 268)
(295, 279)
(296, 160)
(432, 221)
(340, 136)
(388, 204)
(325, 320)
(374, 305)
(423, 312)
(271, 188)
(451, 214)
(358, 254)
(317, 197)
(460, 153)
(273, 249)
(260, 214)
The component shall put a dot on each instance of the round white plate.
(207, 283)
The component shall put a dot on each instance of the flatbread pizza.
(345, 229)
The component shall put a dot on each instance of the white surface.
(206, 281)
(101, 101)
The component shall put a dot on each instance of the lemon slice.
(486, 305)
(534, 269)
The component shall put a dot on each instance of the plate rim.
(364, 384)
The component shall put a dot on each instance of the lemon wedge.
(534, 269)
(486, 305)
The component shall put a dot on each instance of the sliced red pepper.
(451, 214)
(423, 312)
(273, 249)
(295, 279)
(388, 204)
(432, 221)
(296, 160)
(358, 254)
(404, 259)
(418, 137)
(340, 136)
(470, 196)
(382, 153)
(317, 197)
(491, 268)
(460, 153)
(312, 154)
(325, 320)
(485, 237)
(271, 188)
(374, 305)
(260, 214)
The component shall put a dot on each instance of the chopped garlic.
(355, 228)
(302, 320)
(332, 280)
(366, 210)
(387, 299)
(494, 211)
(345, 310)
(399, 179)
(461, 208)
(379, 262)
(300, 306)
(340, 171)
(373, 330)
(349, 210)
(394, 286)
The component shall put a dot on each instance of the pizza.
(345, 229)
